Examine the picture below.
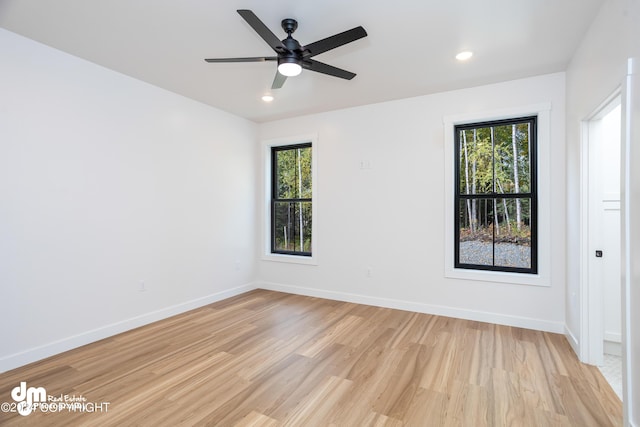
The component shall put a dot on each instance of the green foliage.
(486, 234)
(293, 173)
(494, 162)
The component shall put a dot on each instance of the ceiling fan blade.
(333, 42)
(262, 30)
(250, 59)
(278, 80)
(320, 67)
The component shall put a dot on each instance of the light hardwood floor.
(268, 359)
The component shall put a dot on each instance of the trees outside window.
(496, 197)
(291, 204)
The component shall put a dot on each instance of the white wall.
(105, 182)
(596, 70)
(390, 218)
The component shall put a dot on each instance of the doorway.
(602, 251)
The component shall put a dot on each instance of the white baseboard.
(613, 348)
(573, 341)
(22, 358)
(612, 343)
(612, 336)
(480, 316)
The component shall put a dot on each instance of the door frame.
(630, 244)
(591, 346)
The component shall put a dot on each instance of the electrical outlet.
(237, 265)
(142, 286)
(365, 164)
(367, 272)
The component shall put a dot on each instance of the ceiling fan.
(293, 57)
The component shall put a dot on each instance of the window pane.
(512, 160)
(292, 227)
(495, 232)
(513, 233)
(476, 252)
(293, 173)
(476, 231)
(476, 161)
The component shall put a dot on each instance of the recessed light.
(463, 56)
(267, 98)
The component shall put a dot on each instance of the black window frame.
(275, 199)
(532, 194)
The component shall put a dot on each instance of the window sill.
(292, 259)
(497, 277)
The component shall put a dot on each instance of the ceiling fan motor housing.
(294, 54)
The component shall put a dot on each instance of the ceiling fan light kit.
(289, 67)
(293, 57)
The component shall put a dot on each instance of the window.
(291, 199)
(495, 202)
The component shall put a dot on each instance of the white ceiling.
(409, 50)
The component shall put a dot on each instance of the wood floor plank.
(437, 375)
(468, 405)
(318, 407)
(333, 335)
(427, 408)
(274, 359)
(377, 420)
(255, 419)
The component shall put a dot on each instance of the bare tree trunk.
(529, 163)
(486, 213)
(473, 187)
(516, 182)
(300, 203)
(504, 205)
(466, 174)
(286, 241)
(496, 224)
(287, 229)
